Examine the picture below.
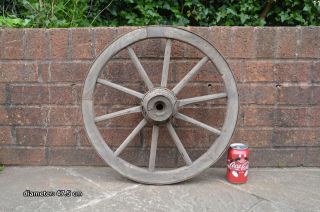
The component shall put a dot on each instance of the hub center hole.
(159, 105)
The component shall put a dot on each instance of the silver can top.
(239, 146)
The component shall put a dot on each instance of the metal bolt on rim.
(159, 105)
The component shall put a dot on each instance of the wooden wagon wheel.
(159, 105)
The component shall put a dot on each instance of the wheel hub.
(159, 105)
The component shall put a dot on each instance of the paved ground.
(294, 189)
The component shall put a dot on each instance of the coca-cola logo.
(237, 166)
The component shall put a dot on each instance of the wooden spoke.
(118, 113)
(140, 68)
(120, 88)
(130, 137)
(179, 145)
(166, 62)
(190, 75)
(201, 99)
(197, 123)
(153, 149)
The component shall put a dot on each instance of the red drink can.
(238, 163)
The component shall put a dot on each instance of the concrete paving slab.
(297, 188)
(269, 189)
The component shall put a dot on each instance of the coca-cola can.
(238, 163)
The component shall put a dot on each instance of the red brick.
(69, 72)
(4, 116)
(12, 44)
(241, 112)
(286, 43)
(213, 89)
(164, 139)
(44, 72)
(125, 71)
(208, 73)
(166, 157)
(154, 70)
(82, 43)
(222, 161)
(290, 117)
(22, 156)
(106, 95)
(191, 51)
(30, 122)
(115, 137)
(62, 95)
(210, 116)
(310, 42)
(312, 157)
(178, 49)
(31, 136)
(295, 71)
(37, 45)
(236, 69)
(220, 37)
(314, 114)
(203, 32)
(61, 137)
(316, 71)
(194, 154)
(73, 156)
(194, 138)
(193, 90)
(259, 116)
(104, 109)
(122, 30)
(26, 116)
(259, 71)
(5, 136)
(12, 72)
(121, 71)
(100, 110)
(190, 137)
(65, 116)
(265, 38)
(104, 37)
(276, 157)
(150, 48)
(295, 95)
(136, 156)
(59, 43)
(257, 94)
(243, 45)
(77, 93)
(123, 121)
(29, 95)
(315, 94)
(253, 137)
(82, 136)
(297, 137)
(3, 93)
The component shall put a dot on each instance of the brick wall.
(42, 73)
